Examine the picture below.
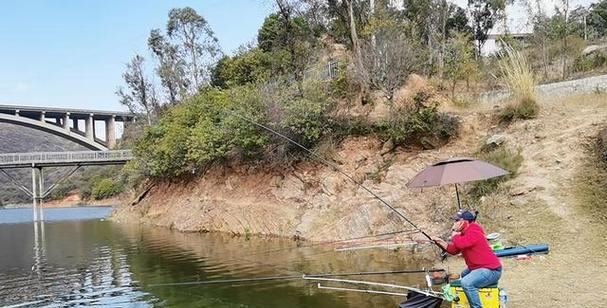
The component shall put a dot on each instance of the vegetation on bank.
(507, 159)
(194, 111)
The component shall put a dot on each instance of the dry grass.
(521, 81)
(517, 74)
(591, 184)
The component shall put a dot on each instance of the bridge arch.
(53, 129)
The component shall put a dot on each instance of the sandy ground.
(541, 207)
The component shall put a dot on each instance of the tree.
(171, 67)
(358, 58)
(391, 59)
(484, 15)
(196, 41)
(290, 34)
(457, 22)
(541, 33)
(597, 18)
(459, 60)
(140, 95)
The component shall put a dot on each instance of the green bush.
(525, 109)
(201, 131)
(586, 63)
(343, 86)
(106, 188)
(504, 158)
(247, 67)
(420, 123)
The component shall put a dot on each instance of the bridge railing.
(58, 157)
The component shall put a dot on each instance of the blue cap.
(465, 215)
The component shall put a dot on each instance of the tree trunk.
(564, 50)
(441, 58)
(358, 58)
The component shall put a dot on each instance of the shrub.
(525, 109)
(343, 86)
(201, 131)
(585, 63)
(504, 158)
(106, 188)
(248, 66)
(422, 123)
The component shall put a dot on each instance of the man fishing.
(483, 267)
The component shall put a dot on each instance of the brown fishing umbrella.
(455, 171)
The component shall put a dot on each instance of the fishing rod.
(410, 231)
(291, 277)
(336, 168)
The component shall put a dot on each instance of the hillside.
(556, 200)
(15, 139)
(544, 204)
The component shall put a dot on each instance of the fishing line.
(336, 168)
(334, 242)
(292, 277)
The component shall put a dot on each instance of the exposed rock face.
(308, 199)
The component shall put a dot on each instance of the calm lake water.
(77, 258)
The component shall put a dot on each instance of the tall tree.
(171, 66)
(139, 95)
(196, 40)
(484, 15)
(597, 19)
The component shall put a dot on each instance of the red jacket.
(474, 247)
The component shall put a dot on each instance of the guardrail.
(65, 157)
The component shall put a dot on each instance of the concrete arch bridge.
(77, 125)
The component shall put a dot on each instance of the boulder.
(494, 142)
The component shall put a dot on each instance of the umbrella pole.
(459, 205)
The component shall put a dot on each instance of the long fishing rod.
(291, 277)
(336, 168)
(410, 231)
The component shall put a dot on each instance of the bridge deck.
(60, 159)
(74, 113)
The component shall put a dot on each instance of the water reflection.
(102, 263)
(65, 270)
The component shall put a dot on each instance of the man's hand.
(440, 241)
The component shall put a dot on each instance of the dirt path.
(541, 207)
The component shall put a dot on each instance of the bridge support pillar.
(110, 132)
(89, 127)
(66, 121)
(37, 193)
(43, 116)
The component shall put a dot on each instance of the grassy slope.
(555, 200)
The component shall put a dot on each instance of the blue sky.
(71, 53)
